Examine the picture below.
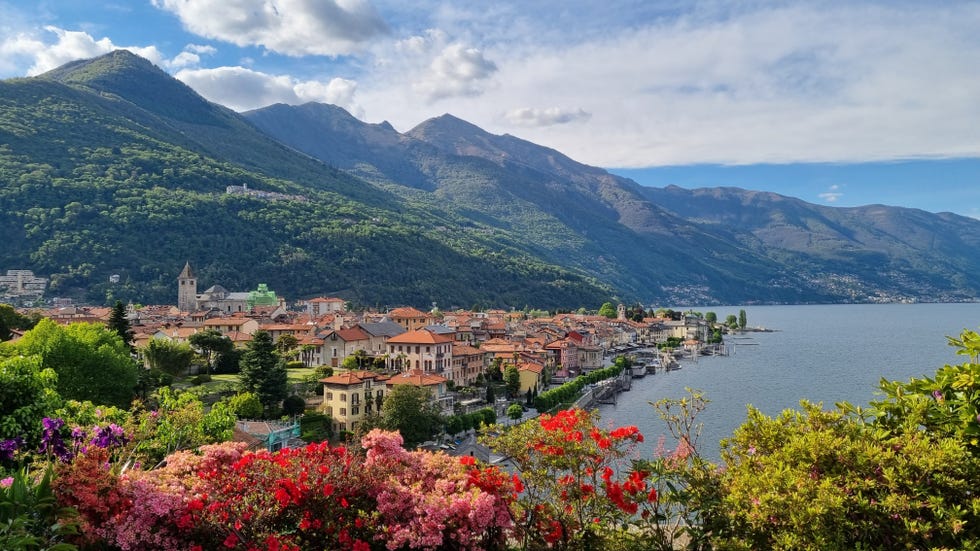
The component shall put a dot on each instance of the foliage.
(512, 381)
(315, 427)
(456, 424)
(245, 405)
(742, 319)
(408, 409)
(179, 421)
(293, 405)
(947, 404)
(212, 344)
(91, 361)
(27, 394)
(571, 390)
(173, 358)
(263, 372)
(30, 518)
(11, 319)
(119, 323)
(515, 411)
(607, 310)
(816, 479)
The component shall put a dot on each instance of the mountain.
(110, 166)
(853, 252)
(560, 210)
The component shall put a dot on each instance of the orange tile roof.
(406, 312)
(419, 336)
(353, 378)
(416, 377)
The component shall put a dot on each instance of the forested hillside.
(111, 167)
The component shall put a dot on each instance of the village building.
(421, 350)
(348, 397)
(409, 318)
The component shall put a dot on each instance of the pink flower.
(7, 482)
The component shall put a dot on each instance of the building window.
(343, 397)
(330, 396)
(355, 410)
(343, 412)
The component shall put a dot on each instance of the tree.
(27, 395)
(490, 397)
(168, 356)
(11, 319)
(515, 411)
(119, 323)
(91, 361)
(263, 372)
(408, 410)
(608, 310)
(711, 317)
(212, 344)
(731, 321)
(742, 319)
(512, 379)
(287, 345)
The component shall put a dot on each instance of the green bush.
(293, 405)
(200, 379)
(245, 405)
(315, 427)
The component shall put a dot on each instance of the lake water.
(827, 353)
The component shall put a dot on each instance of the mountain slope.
(563, 211)
(860, 251)
(110, 166)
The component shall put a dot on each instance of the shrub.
(293, 405)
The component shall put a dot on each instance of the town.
(456, 356)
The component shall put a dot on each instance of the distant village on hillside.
(435, 349)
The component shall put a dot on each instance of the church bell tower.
(187, 289)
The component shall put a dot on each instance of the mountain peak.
(446, 131)
(135, 79)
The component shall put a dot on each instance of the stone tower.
(187, 289)
(621, 312)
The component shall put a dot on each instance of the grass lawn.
(220, 380)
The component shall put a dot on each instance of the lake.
(822, 353)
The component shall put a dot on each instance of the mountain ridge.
(411, 217)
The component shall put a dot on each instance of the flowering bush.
(320, 497)
(575, 479)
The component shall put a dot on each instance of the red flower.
(518, 485)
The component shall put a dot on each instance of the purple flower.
(8, 447)
(938, 395)
(7, 482)
(110, 435)
(51, 441)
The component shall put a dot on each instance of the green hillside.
(112, 167)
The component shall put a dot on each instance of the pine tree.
(263, 372)
(119, 323)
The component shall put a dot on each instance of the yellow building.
(349, 396)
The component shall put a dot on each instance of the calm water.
(824, 354)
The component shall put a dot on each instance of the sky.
(841, 103)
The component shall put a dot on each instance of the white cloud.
(528, 116)
(829, 196)
(241, 89)
(201, 49)
(41, 56)
(838, 82)
(290, 27)
(458, 70)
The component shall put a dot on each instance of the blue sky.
(835, 102)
